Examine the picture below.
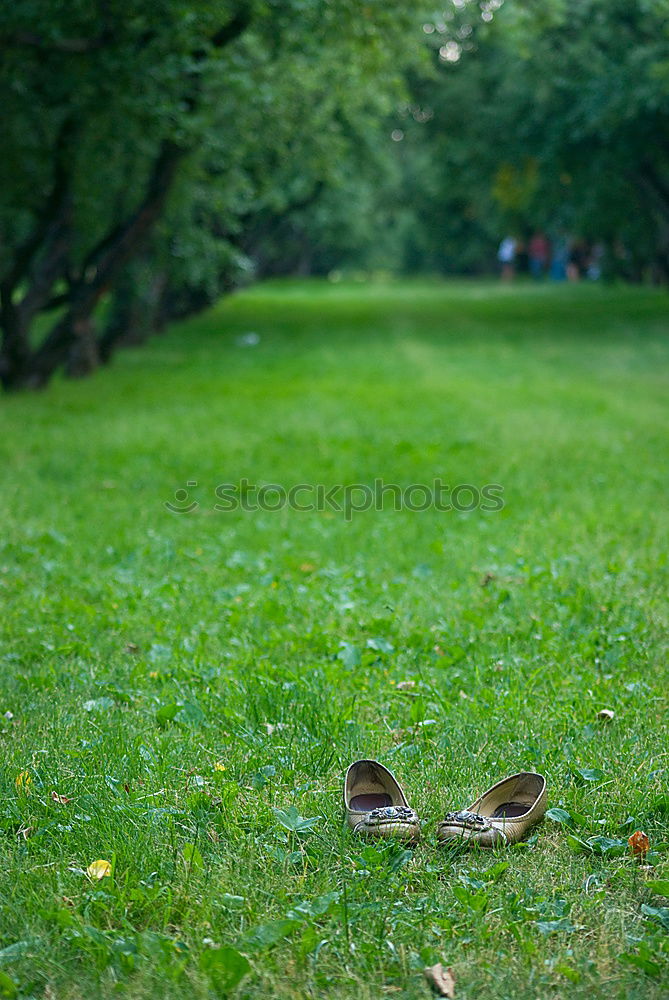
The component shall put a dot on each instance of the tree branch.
(234, 28)
(53, 210)
(112, 251)
(77, 46)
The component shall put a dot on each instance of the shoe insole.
(510, 809)
(373, 800)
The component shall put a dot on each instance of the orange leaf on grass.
(639, 844)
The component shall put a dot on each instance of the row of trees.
(150, 147)
(157, 155)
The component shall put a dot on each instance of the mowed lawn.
(183, 691)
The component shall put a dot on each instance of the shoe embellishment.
(469, 820)
(385, 813)
(389, 814)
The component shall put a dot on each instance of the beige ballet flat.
(375, 804)
(501, 816)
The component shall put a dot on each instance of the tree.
(142, 135)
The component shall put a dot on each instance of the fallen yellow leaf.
(23, 783)
(98, 869)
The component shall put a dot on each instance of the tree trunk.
(83, 356)
(71, 342)
(15, 355)
(134, 312)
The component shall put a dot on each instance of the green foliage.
(542, 114)
(225, 967)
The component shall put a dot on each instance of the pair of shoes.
(376, 806)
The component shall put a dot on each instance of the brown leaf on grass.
(606, 715)
(639, 844)
(25, 832)
(62, 800)
(440, 979)
(131, 647)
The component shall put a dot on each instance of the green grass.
(181, 676)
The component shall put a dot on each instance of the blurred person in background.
(578, 259)
(559, 258)
(539, 255)
(595, 263)
(506, 255)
